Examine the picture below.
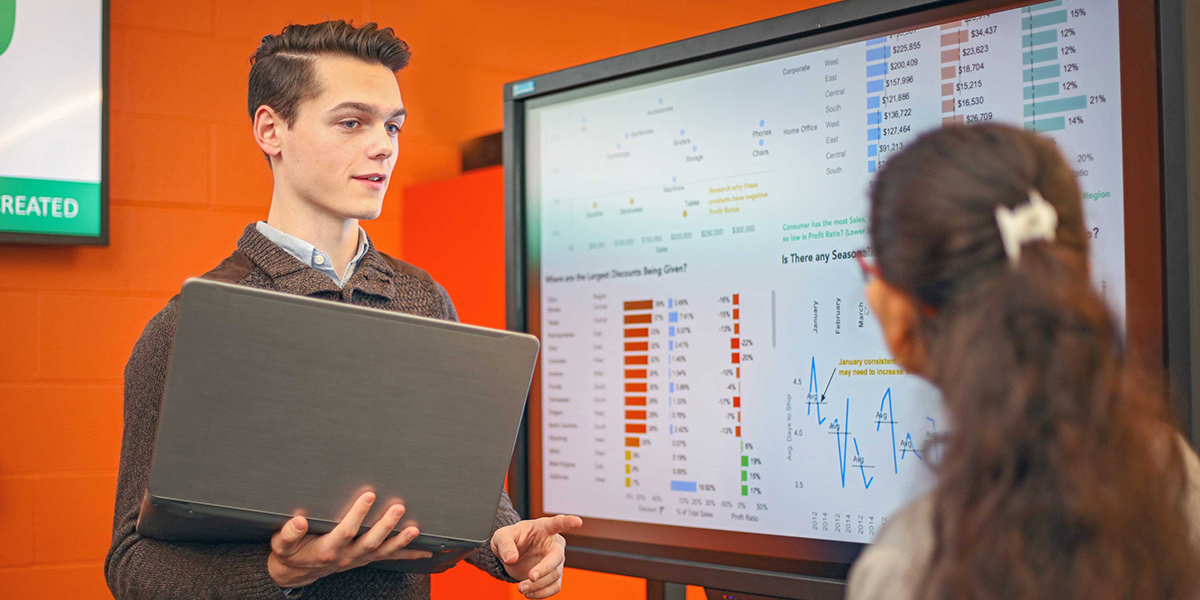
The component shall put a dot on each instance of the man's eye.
(350, 124)
(393, 129)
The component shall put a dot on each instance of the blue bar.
(672, 426)
(877, 41)
(683, 486)
(873, 118)
(1052, 124)
(671, 331)
(1048, 36)
(872, 102)
(1040, 55)
(1044, 20)
(870, 166)
(1045, 107)
(1046, 72)
(872, 134)
(875, 85)
(1041, 90)
(671, 344)
(877, 70)
(673, 317)
(874, 54)
(670, 303)
(873, 150)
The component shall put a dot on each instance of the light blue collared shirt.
(309, 255)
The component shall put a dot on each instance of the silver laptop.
(277, 404)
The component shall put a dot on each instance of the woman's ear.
(899, 317)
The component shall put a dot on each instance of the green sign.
(49, 206)
(8, 21)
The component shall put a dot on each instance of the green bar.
(1043, 125)
(1041, 55)
(1041, 89)
(745, 490)
(745, 461)
(8, 22)
(1047, 36)
(1046, 72)
(57, 207)
(744, 475)
(1047, 107)
(1042, 6)
(1044, 20)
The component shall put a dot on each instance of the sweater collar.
(373, 275)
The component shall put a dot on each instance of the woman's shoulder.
(891, 567)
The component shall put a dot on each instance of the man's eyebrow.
(370, 109)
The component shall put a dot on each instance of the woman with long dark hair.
(1059, 480)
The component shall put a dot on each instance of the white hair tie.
(1032, 222)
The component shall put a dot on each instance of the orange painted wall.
(185, 178)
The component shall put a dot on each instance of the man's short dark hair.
(281, 75)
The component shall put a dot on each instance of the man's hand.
(297, 559)
(533, 552)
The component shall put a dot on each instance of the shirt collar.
(310, 256)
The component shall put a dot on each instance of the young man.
(327, 111)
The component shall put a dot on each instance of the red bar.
(737, 358)
(635, 387)
(739, 416)
(954, 37)
(635, 400)
(635, 373)
(735, 299)
(739, 372)
(635, 428)
(951, 25)
(636, 359)
(637, 346)
(737, 313)
(635, 414)
(642, 318)
(948, 105)
(739, 431)
(737, 401)
(949, 72)
(947, 89)
(735, 343)
(632, 442)
(737, 328)
(637, 333)
(950, 55)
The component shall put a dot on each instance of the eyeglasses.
(869, 269)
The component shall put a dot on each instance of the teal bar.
(1041, 89)
(1045, 107)
(1044, 20)
(1043, 125)
(1042, 6)
(1046, 72)
(1048, 36)
(1043, 55)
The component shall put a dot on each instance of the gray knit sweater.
(138, 567)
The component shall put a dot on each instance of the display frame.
(49, 239)
(1172, 270)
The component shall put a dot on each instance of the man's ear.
(267, 129)
(899, 317)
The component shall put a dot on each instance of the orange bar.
(635, 373)
(637, 346)
(635, 428)
(954, 37)
(635, 387)
(632, 442)
(737, 358)
(734, 343)
(639, 305)
(642, 318)
(635, 400)
(739, 431)
(949, 72)
(739, 372)
(635, 415)
(739, 416)
(735, 299)
(948, 105)
(950, 55)
(737, 313)
(947, 89)
(737, 328)
(737, 401)
(637, 333)
(636, 360)
(951, 25)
